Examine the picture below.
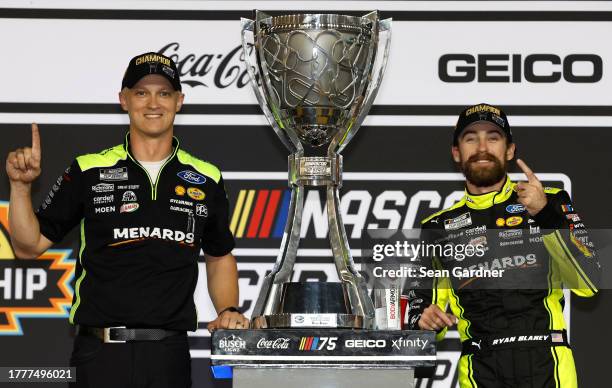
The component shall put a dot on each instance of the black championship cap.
(482, 112)
(151, 63)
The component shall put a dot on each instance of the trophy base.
(277, 321)
(312, 304)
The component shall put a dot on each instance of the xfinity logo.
(515, 68)
(410, 343)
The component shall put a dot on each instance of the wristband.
(231, 309)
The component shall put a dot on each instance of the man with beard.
(512, 336)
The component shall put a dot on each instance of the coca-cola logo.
(219, 70)
(278, 343)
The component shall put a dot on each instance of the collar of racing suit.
(484, 201)
(126, 146)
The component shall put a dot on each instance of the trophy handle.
(358, 295)
(383, 38)
(282, 270)
(289, 139)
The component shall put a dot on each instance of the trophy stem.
(359, 299)
(268, 299)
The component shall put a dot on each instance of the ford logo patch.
(516, 208)
(192, 177)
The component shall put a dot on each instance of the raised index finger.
(35, 141)
(531, 177)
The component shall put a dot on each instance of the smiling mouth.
(153, 115)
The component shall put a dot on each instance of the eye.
(165, 93)
(140, 93)
(494, 136)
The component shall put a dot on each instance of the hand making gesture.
(23, 164)
(531, 193)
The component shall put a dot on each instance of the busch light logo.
(192, 177)
(232, 344)
(515, 208)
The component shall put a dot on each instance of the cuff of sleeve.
(47, 230)
(440, 334)
(547, 217)
(219, 251)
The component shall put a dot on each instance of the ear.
(510, 151)
(179, 102)
(123, 100)
(455, 153)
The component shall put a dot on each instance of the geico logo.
(16, 286)
(148, 232)
(369, 343)
(390, 209)
(536, 68)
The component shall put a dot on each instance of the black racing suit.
(511, 326)
(137, 267)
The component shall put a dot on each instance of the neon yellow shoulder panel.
(551, 190)
(455, 206)
(208, 169)
(107, 158)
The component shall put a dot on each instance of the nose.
(153, 102)
(482, 144)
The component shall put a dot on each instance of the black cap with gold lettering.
(151, 63)
(482, 112)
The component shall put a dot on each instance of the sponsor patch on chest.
(114, 174)
(458, 222)
(192, 177)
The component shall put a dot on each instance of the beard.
(483, 176)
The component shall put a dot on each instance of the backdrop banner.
(545, 62)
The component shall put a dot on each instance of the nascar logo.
(309, 344)
(379, 200)
(260, 213)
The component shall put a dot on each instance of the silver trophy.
(315, 78)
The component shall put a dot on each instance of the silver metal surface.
(285, 321)
(315, 77)
(106, 334)
(315, 170)
(323, 377)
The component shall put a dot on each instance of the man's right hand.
(433, 318)
(23, 164)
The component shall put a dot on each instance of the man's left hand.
(229, 320)
(531, 193)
